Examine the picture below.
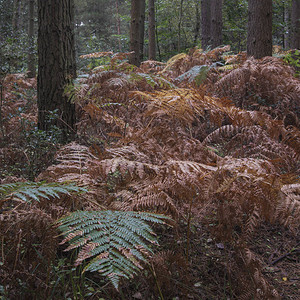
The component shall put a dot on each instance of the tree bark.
(142, 28)
(295, 25)
(216, 23)
(286, 19)
(151, 30)
(179, 26)
(118, 25)
(259, 39)
(205, 23)
(197, 23)
(56, 63)
(135, 32)
(30, 58)
(16, 16)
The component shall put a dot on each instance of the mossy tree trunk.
(56, 63)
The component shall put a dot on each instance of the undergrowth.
(219, 154)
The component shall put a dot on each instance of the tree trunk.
(179, 26)
(135, 32)
(142, 28)
(156, 35)
(197, 25)
(151, 30)
(30, 58)
(56, 61)
(205, 23)
(16, 16)
(259, 39)
(216, 23)
(118, 25)
(286, 19)
(295, 28)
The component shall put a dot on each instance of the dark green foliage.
(116, 240)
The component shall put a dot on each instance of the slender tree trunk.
(259, 39)
(135, 32)
(142, 28)
(56, 61)
(286, 18)
(197, 23)
(295, 26)
(31, 61)
(216, 23)
(151, 30)
(205, 23)
(179, 26)
(118, 24)
(16, 16)
(157, 38)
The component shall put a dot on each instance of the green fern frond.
(28, 191)
(116, 240)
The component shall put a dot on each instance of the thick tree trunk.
(205, 23)
(295, 26)
(56, 61)
(142, 28)
(135, 32)
(259, 39)
(151, 30)
(216, 23)
(30, 58)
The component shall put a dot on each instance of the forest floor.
(234, 196)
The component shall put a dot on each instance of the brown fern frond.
(74, 161)
(150, 197)
(224, 131)
(179, 104)
(181, 63)
(292, 139)
(96, 55)
(129, 152)
(30, 237)
(254, 142)
(288, 210)
(170, 270)
(133, 169)
(246, 270)
(266, 84)
(152, 66)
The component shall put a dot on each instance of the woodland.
(149, 149)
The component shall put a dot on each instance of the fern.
(28, 191)
(116, 241)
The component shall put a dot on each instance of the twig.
(1, 104)
(294, 250)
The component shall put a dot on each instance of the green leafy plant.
(28, 191)
(293, 59)
(117, 241)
